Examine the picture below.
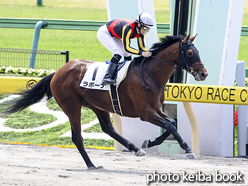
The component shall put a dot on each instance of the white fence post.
(242, 112)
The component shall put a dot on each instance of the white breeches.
(113, 44)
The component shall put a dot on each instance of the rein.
(188, 67)
(142, 78)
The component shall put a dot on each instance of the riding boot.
(109, 77)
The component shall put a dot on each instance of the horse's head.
(189, 59)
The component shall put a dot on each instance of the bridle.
(184, 62)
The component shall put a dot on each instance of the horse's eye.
(189, 53)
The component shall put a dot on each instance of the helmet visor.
(146, 29)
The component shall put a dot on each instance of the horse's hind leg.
(72, 108)
(108, 128)
(78, 141)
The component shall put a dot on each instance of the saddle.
(93, 80)
(95, 73)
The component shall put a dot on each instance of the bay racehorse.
(141, 93)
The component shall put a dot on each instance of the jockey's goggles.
(146, 29)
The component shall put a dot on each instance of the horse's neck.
(163, 70)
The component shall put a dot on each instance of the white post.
(242, 112)
(118, 128)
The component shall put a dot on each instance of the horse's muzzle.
(200, 76)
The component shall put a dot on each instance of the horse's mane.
(164, 43)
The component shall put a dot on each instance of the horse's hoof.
(145, 144)
(140, 152)
(190, 155)
(94, 167)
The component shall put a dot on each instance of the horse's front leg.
(159, 140)
(156, 119)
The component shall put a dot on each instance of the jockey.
(116, 34)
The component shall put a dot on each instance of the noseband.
(183, 63)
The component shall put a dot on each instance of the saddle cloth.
(95, 73)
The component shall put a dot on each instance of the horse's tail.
(31, 96)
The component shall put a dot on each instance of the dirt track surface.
(36, 165)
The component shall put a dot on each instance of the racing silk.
(125, 29)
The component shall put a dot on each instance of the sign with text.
(206, 94)
(9, 85)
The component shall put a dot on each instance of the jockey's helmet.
(145, 19)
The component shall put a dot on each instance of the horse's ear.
(193, 38)
(186, 39)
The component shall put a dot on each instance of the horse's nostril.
(203, 74)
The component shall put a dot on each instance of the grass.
(87, 115)
(59, 9)
(74, 10)
(29, 119)
(94, 128)
(243, 55)
(3, 96)
(26, 118)
(51, 136)
(48, 137)
(79, 43)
